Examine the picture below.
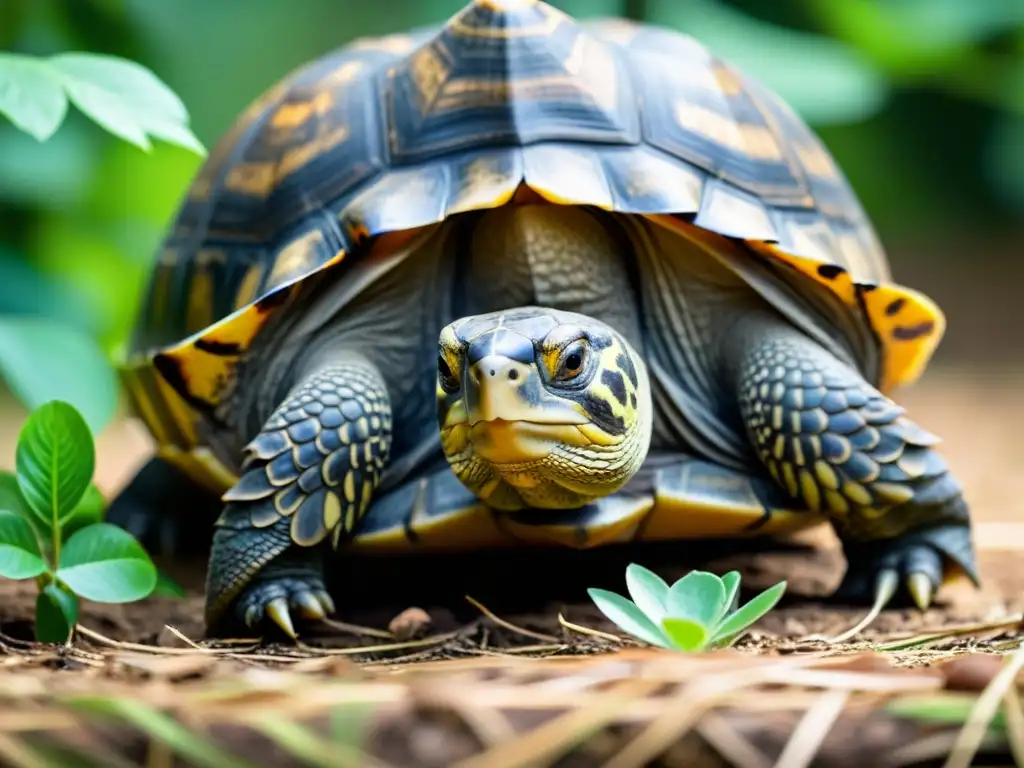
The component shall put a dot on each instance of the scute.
(395, 133)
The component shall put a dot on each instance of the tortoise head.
(541, 408)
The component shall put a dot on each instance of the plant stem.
(55, 519)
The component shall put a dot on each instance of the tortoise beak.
(512, 418)
(502, 389)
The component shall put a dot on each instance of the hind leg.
(169, 513)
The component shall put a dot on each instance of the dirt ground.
(517, 607)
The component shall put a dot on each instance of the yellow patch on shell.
(206, 361)
(485, 185)
(674, 520)
(172, 422)
(566, 176)
(909, 325)
(296, 259)
(471, 527)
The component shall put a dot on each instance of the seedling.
(699, 612)
(51, 527)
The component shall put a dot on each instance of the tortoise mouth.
(500, 441)
(500, 422)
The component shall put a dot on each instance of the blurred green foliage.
(921, 101)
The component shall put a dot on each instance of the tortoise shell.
(508, 98)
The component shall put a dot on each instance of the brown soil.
(469, 704)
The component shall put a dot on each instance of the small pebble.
(409, 624)
(796, 628)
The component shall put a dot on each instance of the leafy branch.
(51, 527)
(122, 96)
(40, 356)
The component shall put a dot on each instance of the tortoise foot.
(907, 570)
(279, 594)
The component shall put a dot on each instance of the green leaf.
(20, 557)
(42, 360)
(11, 497)
(56, 614)
(106, 564)
(731, 582)
(628, 617)
(166, 586)
(31, 96)
(648, 590)
(126, 99)
(89, 511)
(686, 635)
(698, 596)
(55, 460)
(749, 613)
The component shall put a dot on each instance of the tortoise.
(522, 280)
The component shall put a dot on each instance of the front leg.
(307, 481)
(834, 442)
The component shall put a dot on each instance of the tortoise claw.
(310, 606)
(919, 585)
(885, 587)
(284, 600)
(326, 601)
(277, 611)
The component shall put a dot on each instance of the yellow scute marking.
(295, 158)
(298, 257)
(470, 528)
(428, 74)
(485, 185)
(255, 179)
(913, 314)
(816, 161)
(841, 285)
(294, 114)
(246, 293)
(345, 73)
(679, 518)
(752, 140)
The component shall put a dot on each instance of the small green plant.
(51, 527)
(699, 612)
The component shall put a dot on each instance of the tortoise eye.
(574, 360)
(444, 375)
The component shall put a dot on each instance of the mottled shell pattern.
(393, 133)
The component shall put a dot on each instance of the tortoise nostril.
(513, 374)
(492, 371)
